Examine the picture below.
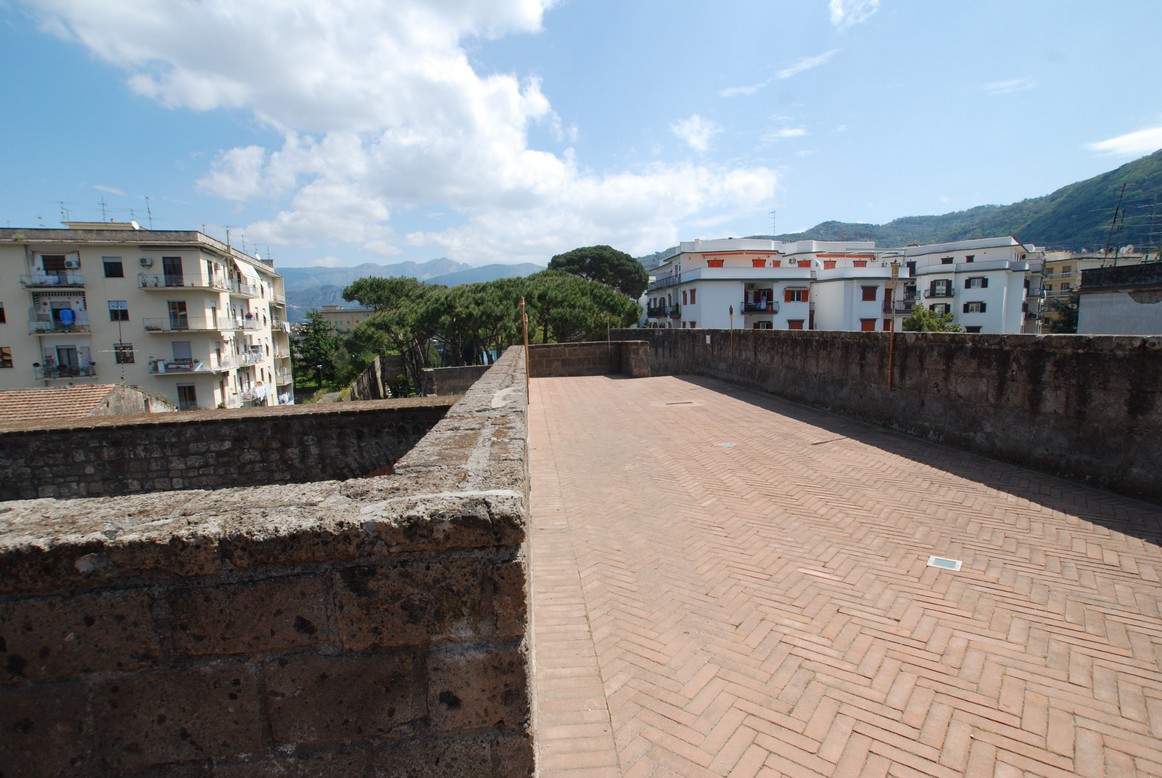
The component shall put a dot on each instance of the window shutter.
(788, 296)
(984, 283)
(806, 295)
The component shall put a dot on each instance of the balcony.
(663, 283)
(56, 279)
(63, 372)
(244, 290)
(183, 324)
(282, 377)
(655, 311)
(768, 307)
(180, 367)
(903, 305)
(51, 327)
(168, 283)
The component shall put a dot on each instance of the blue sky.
(341, 132)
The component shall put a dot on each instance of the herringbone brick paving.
(727, 584)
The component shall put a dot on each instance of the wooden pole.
(524, 323)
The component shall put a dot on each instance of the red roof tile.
(73, 402)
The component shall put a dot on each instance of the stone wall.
(627, 357)
(372, 626)
(444, 381)
(110, 456)
(1088, 408)
(375, 382)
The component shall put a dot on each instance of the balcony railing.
(183, 324)
(903, 305)
(664, 283)
(183, 367)
(768, 306)
(65, 371)
(283, 377)
(246, 290)
(50, 327)
(149, 281)
(53, 279)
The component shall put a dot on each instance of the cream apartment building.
(179, 314)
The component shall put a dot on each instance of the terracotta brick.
(272, 615)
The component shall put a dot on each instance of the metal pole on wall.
(524, 323)
(892, 322)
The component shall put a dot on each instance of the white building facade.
(177, 313)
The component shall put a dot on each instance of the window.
(693, 296)
(1067, 272)
(974, 307)
(795, 295)
(794, 324)
(946, 260)
(693, 325)
(976, 282)
(972, 330)
(869, 293)
(123, 353)
(1048, 287)
(5, 356)
(685, 297)
(887, 325)
(3, 318)
(763, 325)
(118, 310)
(940, 308)
(867, 325)
(114, 268)
(969, 257)
(941, 287)
(1067, 287)
(187, 397)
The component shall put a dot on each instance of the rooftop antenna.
(104, 218)
(774, 223)
(64, 212)
(1113, 221)
(149, 211)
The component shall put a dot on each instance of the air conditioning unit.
(72, 263)
(146, 261)
(750, 286)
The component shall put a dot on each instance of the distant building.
(178, 313)
(753, 283)
(1124, 300)
(990, 285)
(1063, 271)
(344, 319)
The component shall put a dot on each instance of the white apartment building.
(990, 285)
(753, 283)
(179, 314)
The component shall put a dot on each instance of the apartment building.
(1122, 300)
(179, 314)
(344, 319)
(990, 285)
(755, 283)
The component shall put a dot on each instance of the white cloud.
(696, 131)
(381, 113)
(736, 91)
(1145, 141)
(805, 64)
(327, 261)
(848, 13)
(109, 189)
(786, 132)
(1012, 85)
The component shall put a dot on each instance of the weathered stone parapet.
(625, 357)
(1087, 408)
(371, 626)
(110, 456)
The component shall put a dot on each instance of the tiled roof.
(72, 402)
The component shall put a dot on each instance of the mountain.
(1076, 217)
(308, 288)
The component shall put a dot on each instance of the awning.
(248, 271)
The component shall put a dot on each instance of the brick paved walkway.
(726, 584)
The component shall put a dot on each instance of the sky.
(337, 132)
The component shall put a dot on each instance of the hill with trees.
(1076, 217)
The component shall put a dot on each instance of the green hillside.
(1075, 217)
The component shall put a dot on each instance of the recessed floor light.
(726, 445)
(944, 563)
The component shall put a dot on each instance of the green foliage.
(1076, 217)
(605, 265)
(924, 320)
(434, 325)
(315, 344)
(1061, 314)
